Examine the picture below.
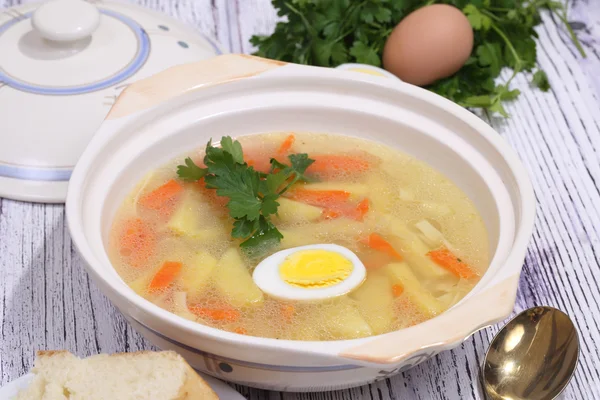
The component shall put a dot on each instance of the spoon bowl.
(533, 357)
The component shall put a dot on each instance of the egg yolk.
(314, 269)
(367, 71)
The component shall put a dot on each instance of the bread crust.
(51, 353)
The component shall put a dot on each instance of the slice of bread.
(59, 375)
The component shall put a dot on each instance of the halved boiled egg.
(313, 272)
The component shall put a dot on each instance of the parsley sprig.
(252, 194)
(332, 32)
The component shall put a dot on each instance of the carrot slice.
(216, 314)
(330, 214)
(258, 158)
(286, 145)
(363, 208)
(329, 165)
(397, 290)
(162, 199)
(137, 242)
(347, 210)
(320, 198)
(446, 259)
(376, 242)
(240, 331)
(165, 275)
(336, 203)
(260, 164)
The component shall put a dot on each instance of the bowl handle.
(180, 79)
(424, 340)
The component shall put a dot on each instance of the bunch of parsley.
(252, 194)
(332, 32)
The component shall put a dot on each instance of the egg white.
(267, 278)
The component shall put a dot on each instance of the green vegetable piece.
(540, 79)
(490, 55)
(190, 171)
(274, 181)
(241, 186)
(477, 20)
(233, 148)
(365, 54)
(243, 228)
(269, 204)
(263, 239)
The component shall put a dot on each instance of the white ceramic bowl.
(162, 117)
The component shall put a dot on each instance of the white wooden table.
(48, 302)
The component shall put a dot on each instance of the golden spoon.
(532, 358)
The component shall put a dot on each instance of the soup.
(299, 236)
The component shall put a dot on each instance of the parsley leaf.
(339, 54)
(506, 94)
(233, 148)
(490, 55)
(266, 236)
(269, 204)
(190, 171)
(276, 165)
(274, 181)
(241, 186)
(243, 228)
(365, 54)
(295, 171)
(477, 20)
(300, 163)
(497, 107)
(540, 79)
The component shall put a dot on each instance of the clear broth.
(402, 191)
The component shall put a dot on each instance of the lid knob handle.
(66, 20)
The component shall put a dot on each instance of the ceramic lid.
(63, 65)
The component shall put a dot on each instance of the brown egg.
(430, 43)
